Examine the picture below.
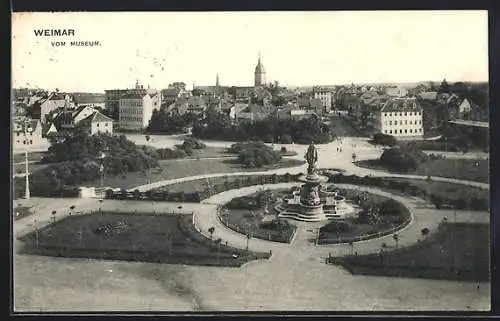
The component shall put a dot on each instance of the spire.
(217, 80)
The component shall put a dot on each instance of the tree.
(396, 239)
(353, 157)
(54, 216)
(444, 87)
(425, 231)
(211, 230)
(148, 138)
(383, 139)
(71, 208)
(178, 85)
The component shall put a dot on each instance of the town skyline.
(352, 47)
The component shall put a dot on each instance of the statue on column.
(311, 158)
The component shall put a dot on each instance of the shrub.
(286, 139)
(383, 139)
(335, 227)
(283, 149)
(402, 158)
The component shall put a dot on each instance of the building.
(259, 74)
(325, 95)
(196, 105)
(22, 139)
(136, 110)
(113, 96)
(464, 107)
(97, 123)
(400, 117)
(170, 95)
(395, 91)
(243, 93)
(42, 107)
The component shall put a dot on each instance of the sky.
(297, 48)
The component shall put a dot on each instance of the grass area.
(367, 224)
(245, 221)
(20, 168)
(245, 215)
(171, 169)
(445, 189)
(32, 156)
(130, 237)
(21, 211)
(210, 151)
(464, 169)
(458, 251)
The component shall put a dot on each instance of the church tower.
(217, 84)
(260, 74)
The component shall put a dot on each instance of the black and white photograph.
(258, 161)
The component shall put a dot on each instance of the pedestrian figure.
(478, 286)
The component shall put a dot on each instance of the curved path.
(293, 279)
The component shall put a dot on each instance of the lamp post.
(27, 129)
(101, 171)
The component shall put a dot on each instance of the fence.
(366, 236)
(198, 196)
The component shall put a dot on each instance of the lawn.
(458, 251)
(32, 156)
(246, 221)
(210, 151)
(21, 211)
(445, 189)
(464, 169)
(130, 237)
(366, 225)
(172, 169)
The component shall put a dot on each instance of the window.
(390, 131)
(385, 114)
(105, 124)
(405, 114)
(401, 122)
(420, 129)
(390, 122)
(406, 122)
(31, 142)
(24, 142)
(18, 141)
(400, 131)
(411, 131)
(18, 133)
(406, 131)
(420, 122)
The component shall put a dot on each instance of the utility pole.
(27, 129)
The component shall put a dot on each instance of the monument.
(310, 205)
(313, 201)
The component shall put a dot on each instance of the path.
(293, 279)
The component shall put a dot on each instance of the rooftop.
(401, 104)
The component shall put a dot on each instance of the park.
(196, 224)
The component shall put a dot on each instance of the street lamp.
(27, 129)
(101, 171)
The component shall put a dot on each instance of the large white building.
(136, 110)
(325, 95)
(400, 117)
